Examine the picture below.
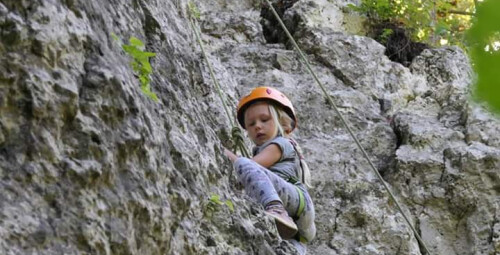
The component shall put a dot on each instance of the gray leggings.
(265, 186)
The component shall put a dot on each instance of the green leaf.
(115, 37)
(230, 205)
(144, 80)
(147, 67)
(134, 41)
(146, 90)
(131, 50)
(385, 34)
(153, 96)
(136, 66)
(149, 54)
(441, 28)
(487, 88)
(353, 7)
(486, 63)
(140, 64)
(193, 10)
(216, 199)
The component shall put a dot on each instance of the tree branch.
(461, 12)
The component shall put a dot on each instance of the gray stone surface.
(90, 165)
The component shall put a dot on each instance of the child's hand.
(230, 155)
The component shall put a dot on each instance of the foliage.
(442, 22)
(484, 37)
(213, 204)
(386, 32)
(140, 63)
(433, 22)
(193, 11)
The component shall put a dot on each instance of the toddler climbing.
(275, 176)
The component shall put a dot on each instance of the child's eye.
(251, 124)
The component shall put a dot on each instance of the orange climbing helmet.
(265, 94)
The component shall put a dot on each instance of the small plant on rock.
(214, 203)
(194, 12)
(140, 63)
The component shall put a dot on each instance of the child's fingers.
(226, 152)
(230, 154)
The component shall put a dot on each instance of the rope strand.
(236, 133)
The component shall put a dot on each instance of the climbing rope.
(239, 143)
(347, 125)
(237, 136)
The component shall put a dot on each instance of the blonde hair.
(284, 125)
(275, 115)
(286, 122)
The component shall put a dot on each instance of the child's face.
(259, 123)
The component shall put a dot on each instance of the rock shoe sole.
(286, 228)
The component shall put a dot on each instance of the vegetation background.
(410, 26)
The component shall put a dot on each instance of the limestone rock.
(89, 164)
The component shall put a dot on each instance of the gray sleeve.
(286, 147)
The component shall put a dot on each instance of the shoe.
(286, 227)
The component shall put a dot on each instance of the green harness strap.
(302, 204)
(302, 199)
(300, 210)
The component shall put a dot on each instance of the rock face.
(90, 165)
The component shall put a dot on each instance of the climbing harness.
(238, 141)
(304, 173)
(346, 124)
(302, 204)
(300, 209)
(302, 199)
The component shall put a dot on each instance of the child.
(274, 175)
